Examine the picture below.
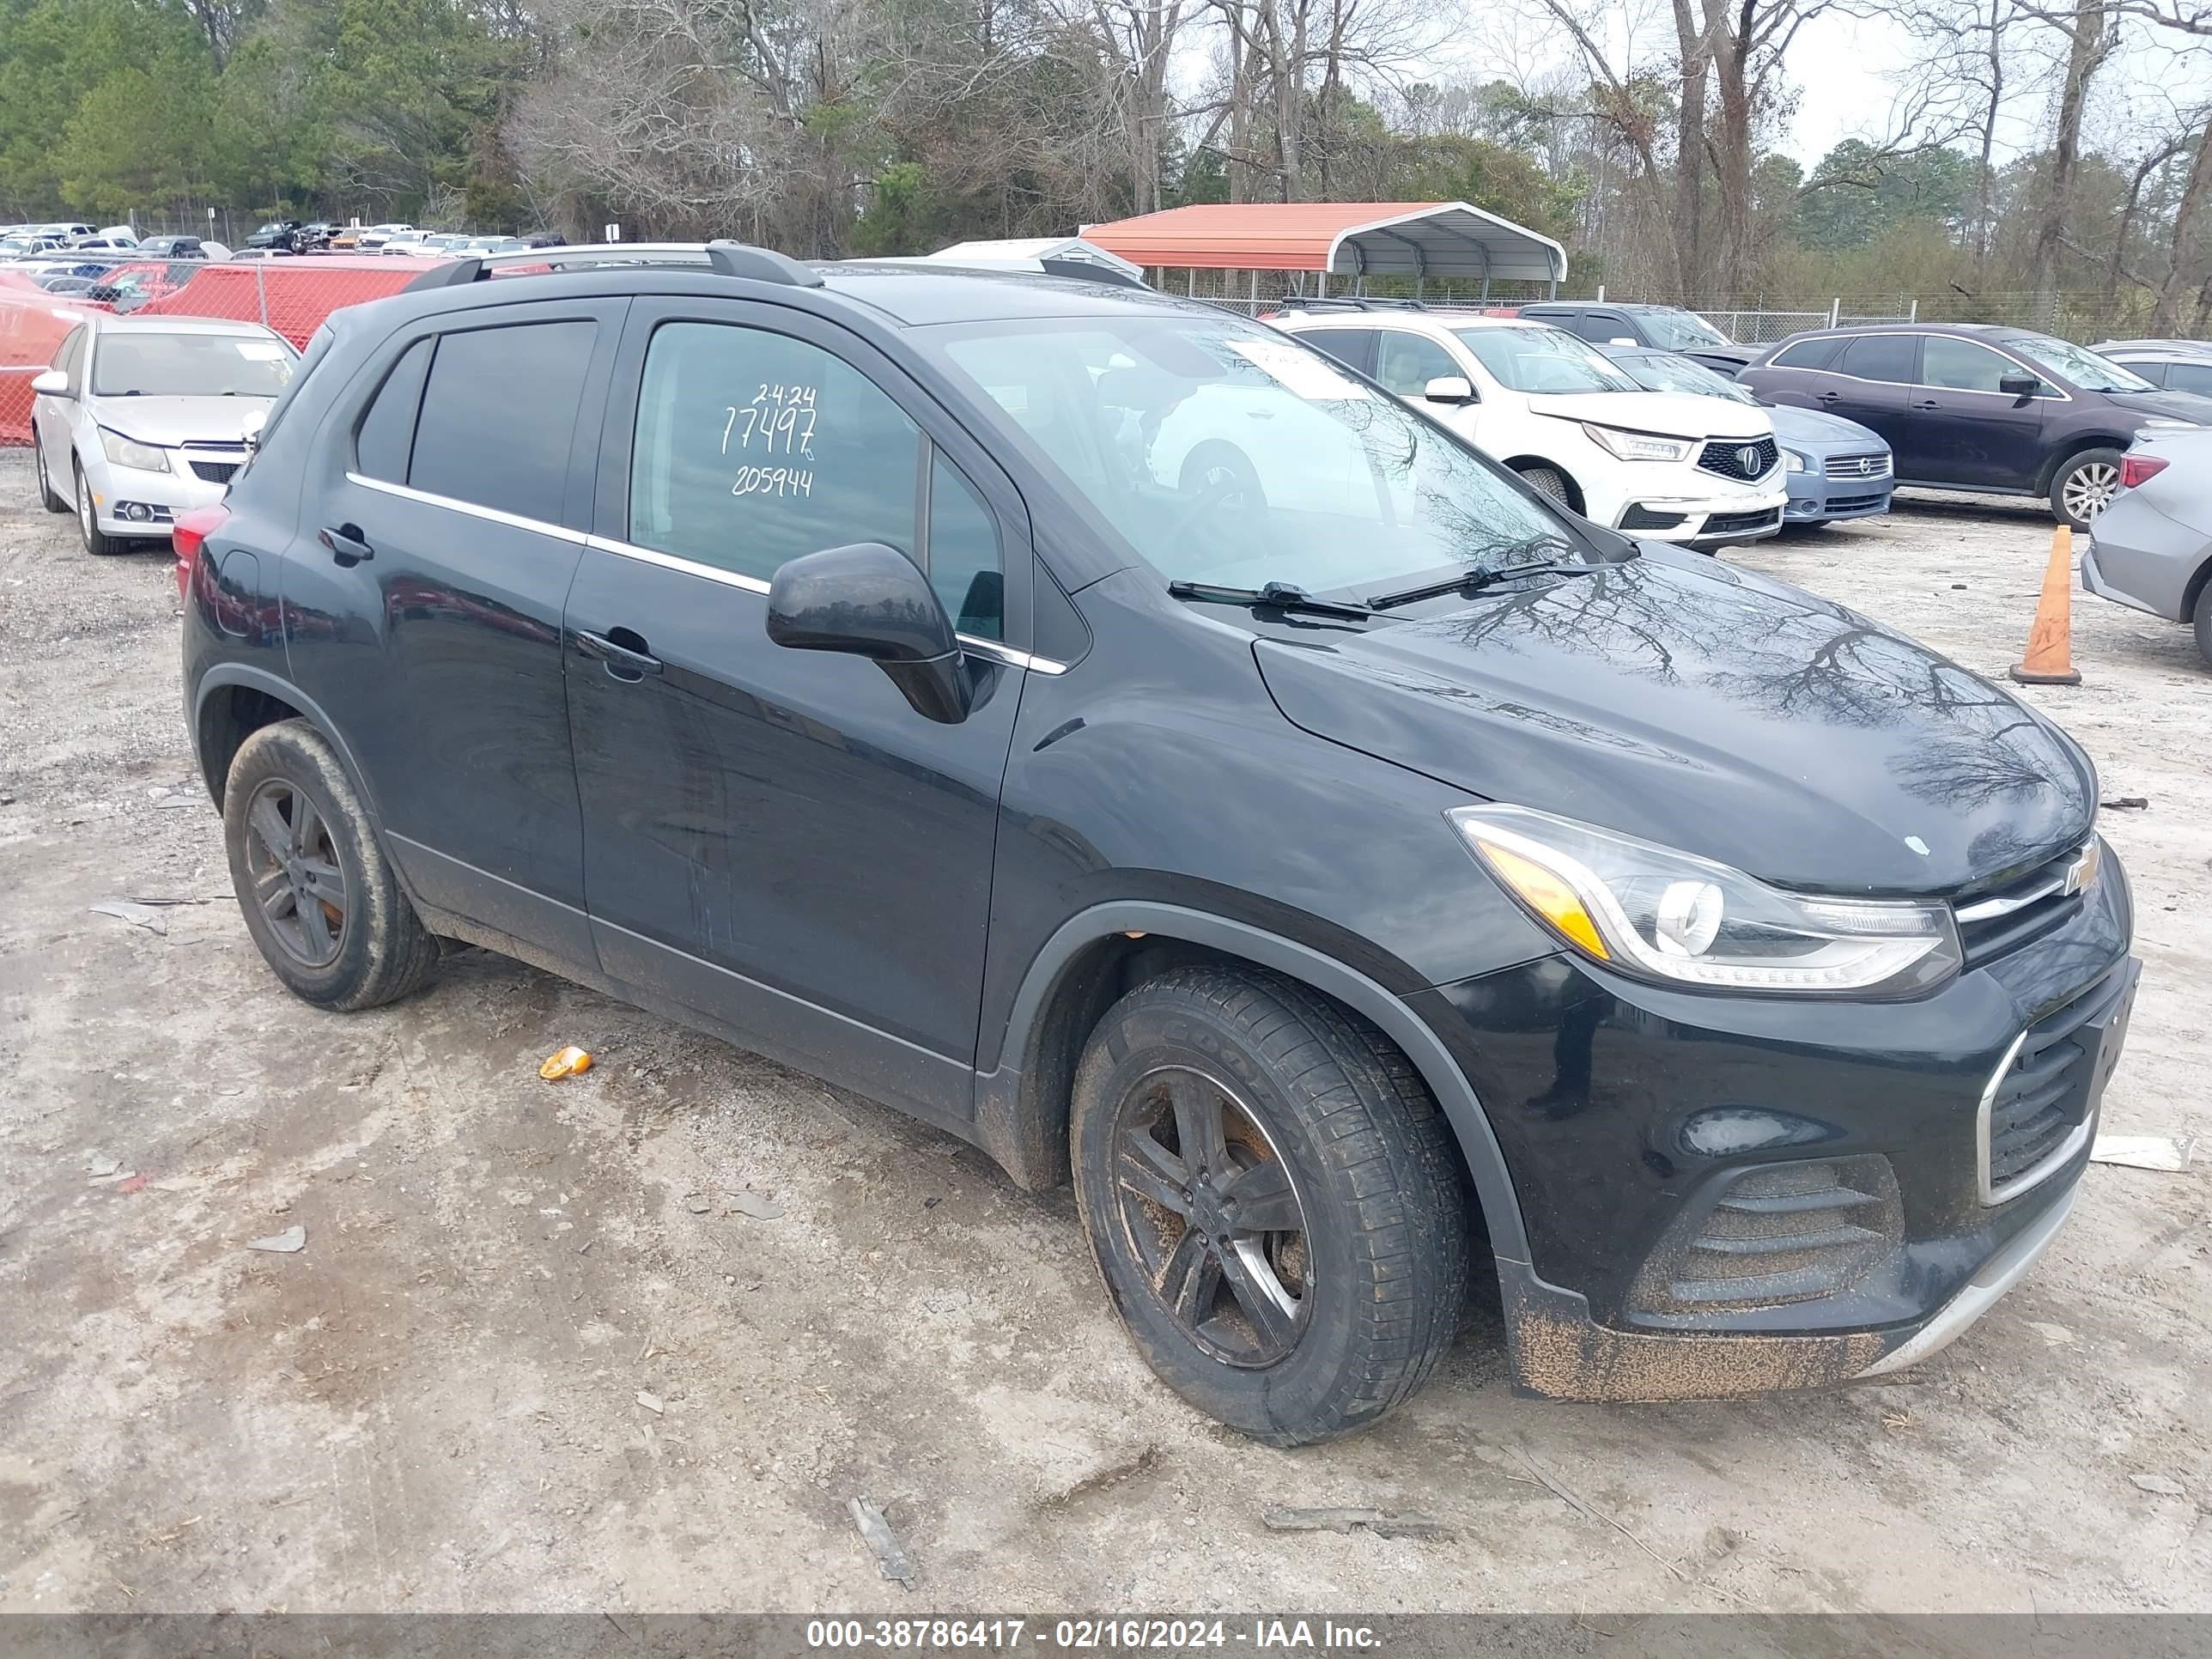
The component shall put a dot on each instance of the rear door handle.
(346, 544)
(624, 653)
(1831, 396)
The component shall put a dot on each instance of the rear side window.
(1809, 354)
(385, 437)
(1880, 357)
(1354, 346)
(499, 410)
(2186, 376)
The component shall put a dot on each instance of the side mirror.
(252, 423)
(50, 383)
(2019, 386)
(1448, 389)
(870, 601)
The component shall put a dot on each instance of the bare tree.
(2090, 38)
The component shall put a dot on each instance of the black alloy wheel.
(293, 867)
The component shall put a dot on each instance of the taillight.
(189, 534)
(2140, 469)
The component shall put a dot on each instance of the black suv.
(1978, 407)
(1117, 733)
(1664, 328)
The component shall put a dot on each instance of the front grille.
(2041, 1096)
(1777, 1233)
(1857, 466)
(1640, 517)
(2018, 911)
(216, 472)
(1735, 524)
(1741, 459)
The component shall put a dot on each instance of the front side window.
(755, 448)
(1407, 362)
(1962, 366)
(1679, 331)
(1888, 357)
(499, 412)
(191, 366)
(2077, 364)
(1223, 451)
(1548, 361)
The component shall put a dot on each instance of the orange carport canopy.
(1345, 239)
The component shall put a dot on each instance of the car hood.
(1671, 414)
(2166, 405)
(177, 420)
(1818, 430)
(1708, 709)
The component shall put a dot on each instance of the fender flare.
(1005, 1100)
(224, 675)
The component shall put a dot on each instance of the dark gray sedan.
(2152, 548)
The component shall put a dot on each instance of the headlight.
(1674, 917)
(1638, 445)
(126, 451)
(1793, 462)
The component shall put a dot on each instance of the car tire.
(48, 498)
(2083, 486)
(97, 541)
(1323, 1126)
(2204, 620)
(1549, 481)
(294, 830)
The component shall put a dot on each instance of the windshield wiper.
(1283, 596)
(1473, 581)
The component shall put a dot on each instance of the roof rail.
(1348, 302)
(725, 259)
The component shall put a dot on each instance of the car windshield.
(190, 366)
(1657, 371)
(2077, 364)
(1679, 331)
(1223, 452)
(1545, 360)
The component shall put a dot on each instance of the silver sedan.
(2152, 548)
(140, 418)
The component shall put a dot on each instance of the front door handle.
(1928, 403)
(346, 544)
(624, 653)
(1831, 397)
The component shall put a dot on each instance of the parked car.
(406, 242)
(2152, 548)
(28, 243)
(278, 235)
(1832, 468)
(65, 230)
(2177, 365)
(1325, 891)
(1980, 407)
(545, 238)
(140, 418)
(1570, 421)
(1663, 328)
(174, 247)
(120, 240)
(375, 236)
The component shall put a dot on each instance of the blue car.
(1837, 469)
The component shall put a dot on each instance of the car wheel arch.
(2195, 591)
(235, 700)
(2075, 446)
(1576, 496)
(1082, 970)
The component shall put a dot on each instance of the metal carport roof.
(1346, 239)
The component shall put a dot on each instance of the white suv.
(1668, 466)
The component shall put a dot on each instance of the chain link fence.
(40, 303)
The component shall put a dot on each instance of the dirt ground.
(530, 1359)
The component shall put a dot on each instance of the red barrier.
(291, 296)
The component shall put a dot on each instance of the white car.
(375, 236)
(1666, 466)
(140, 418)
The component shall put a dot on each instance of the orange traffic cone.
(2049, 660)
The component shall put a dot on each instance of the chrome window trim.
(991, 649)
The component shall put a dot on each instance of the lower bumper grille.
(1640, 517)
(1735, 524)
(1853, 503)
(2036, 1106)
(1777, 1233)
(216, 471)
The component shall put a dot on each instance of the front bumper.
(1706, 518)
(1732, 1195)
(1817, 499)
(120, 494)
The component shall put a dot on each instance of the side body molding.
(1027, 1134)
